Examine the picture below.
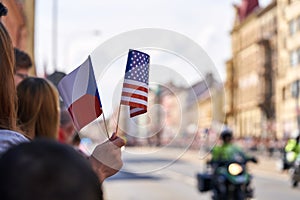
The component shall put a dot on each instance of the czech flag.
(80, 94)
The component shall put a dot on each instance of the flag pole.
(105, 126)
(104, 120)
(119, 110)
(118, 118)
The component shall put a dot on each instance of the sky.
(83, 25)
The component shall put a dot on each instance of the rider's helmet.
(295, 134)
(226, 134)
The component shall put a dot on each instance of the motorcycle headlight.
(290, 156)
(235, 169)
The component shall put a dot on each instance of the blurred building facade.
(205, 101)
(176, 115)
(172, 99)
(20, 25)
(250, 84)
(263, 75)
(287, 97)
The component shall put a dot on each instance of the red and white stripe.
(135, 95)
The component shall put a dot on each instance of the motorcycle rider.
(292, 149)
(223, 153)
(291, 157)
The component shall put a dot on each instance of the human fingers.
(119, 142)
(113, 137)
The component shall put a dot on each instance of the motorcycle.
(295, 172)
(288, 160)
(228, 180)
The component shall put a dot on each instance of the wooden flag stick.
(118, 117)
(117, 127)
(104, 120)
(105, 126)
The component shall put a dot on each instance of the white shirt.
(9, 139)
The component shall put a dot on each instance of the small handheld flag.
(80, 94)
(135, 86)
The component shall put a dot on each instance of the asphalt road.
(163, 174)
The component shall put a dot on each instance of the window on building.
(283, 93)
(293, 58)
(298, 23)
(293, 26)
(295, 88)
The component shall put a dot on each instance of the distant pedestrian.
(66, 129)
(23, 64)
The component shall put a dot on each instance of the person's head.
(226, 135)
(38, 110)
(66, 129)
(76, 140)
(8, 100)
(23, 64)
(55, 78)
(47, 170)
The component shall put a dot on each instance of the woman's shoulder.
(9, 139)
(11, 134)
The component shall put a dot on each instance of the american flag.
(135, 86)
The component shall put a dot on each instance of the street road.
(163, 174)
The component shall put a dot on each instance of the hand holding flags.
(80, 94)
(135, 86)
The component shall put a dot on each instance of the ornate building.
(205, 100)
(287, 91)
(250, 85)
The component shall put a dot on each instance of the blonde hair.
(8, 98)
(38, 111)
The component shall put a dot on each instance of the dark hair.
(3, 10)
(47, 170)
(226, 133)
(23, 61)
